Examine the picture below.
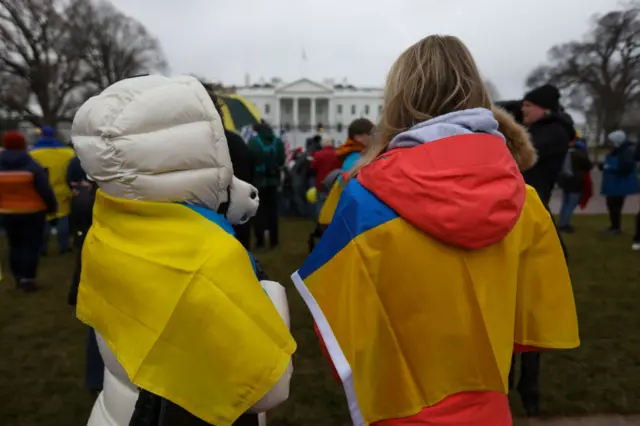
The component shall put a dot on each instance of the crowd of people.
(429, 268)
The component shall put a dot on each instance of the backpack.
(269, 167)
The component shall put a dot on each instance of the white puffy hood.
(156, 138)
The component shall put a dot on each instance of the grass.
(42, 345)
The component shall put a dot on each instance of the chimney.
(247, 80)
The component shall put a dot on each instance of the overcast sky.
(358, 39)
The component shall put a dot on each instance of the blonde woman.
(440, 262)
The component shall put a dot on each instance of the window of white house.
(267, 108)
(379, 108)
(339, 109)
(366, 109)
(353, 110)
(339, 127)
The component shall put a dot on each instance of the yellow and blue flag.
(409, 320)
(175, 297)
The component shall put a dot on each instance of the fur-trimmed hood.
(517, 139)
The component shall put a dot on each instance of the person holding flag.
(439, 262)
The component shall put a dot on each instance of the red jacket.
(324, 162)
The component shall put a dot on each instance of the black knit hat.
(547, 97)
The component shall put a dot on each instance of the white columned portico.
(295, 112)
(276, 113)
(312, 121)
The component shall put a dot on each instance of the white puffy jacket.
(155, 138)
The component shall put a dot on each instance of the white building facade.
(300, 107)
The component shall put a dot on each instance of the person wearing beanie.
(619, 177)
(55, 156)
(552, 131)
(25, 198)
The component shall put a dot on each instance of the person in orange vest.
(25, 199)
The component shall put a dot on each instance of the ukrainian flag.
(409, 320)
(175, 297)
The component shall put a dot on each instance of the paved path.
(582, 421)
(597, 204)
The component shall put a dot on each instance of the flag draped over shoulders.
(409, 320)
(174, 296)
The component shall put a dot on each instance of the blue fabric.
(358, 211)
(48, 131)
(223, 223)
(570, 201)
(348, 164)
(48, 142)
(616, 180)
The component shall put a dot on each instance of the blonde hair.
(435, 76)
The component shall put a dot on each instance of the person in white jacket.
(137, 149)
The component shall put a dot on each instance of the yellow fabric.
(176, 299)
(419, 320)
(227, 120)
(330, 204)
(56, 161)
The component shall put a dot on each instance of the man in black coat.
(551, 131)
(243, 169)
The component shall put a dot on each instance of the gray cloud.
(357, 39)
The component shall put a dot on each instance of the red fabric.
(324, 162)
(587, 191)
(464, 190)
(524, 348)
(463, 409)
(14, 141)
(325, 352)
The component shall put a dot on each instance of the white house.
(300, 107)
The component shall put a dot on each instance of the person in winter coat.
(573, 178)
(440, 262)
(165, 284)
(25, 199)
(619, 177)
(551, 132)
(54, 157)
(84, 195)
(324, 162)
(267, 151)
(243, 169)
(360, 136)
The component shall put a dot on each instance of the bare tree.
(600, 74)
(37, 52)
(119, 46)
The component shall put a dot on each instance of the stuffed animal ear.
(517, 139)
(243, 202)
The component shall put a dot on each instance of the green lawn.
(42, 345)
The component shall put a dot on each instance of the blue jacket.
(620, 172)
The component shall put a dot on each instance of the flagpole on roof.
(303, 66)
